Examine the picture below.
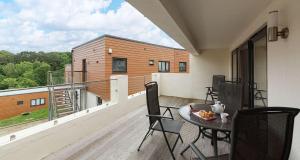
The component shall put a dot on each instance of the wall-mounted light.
(109, 50)
(151, 62)
(273, 32)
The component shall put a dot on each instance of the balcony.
(113, 133)
(111, 130)
(216, 39)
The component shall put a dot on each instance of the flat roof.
(126, 39)
(12, 92)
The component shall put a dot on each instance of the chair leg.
(168, 144)
(175, 143)
(165, 112)
(171, 114)
(212, 98)
(180, 138)
(147, 134)
(206, 98)
(194, 141)
(152, 132)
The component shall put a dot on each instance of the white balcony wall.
(202, 68)
(283, 60)
(52, 136)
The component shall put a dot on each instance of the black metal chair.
(261, 134)
(230, 94)
(213, 91)
(160, 122)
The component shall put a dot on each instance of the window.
(182, 66)
(37, 102)
(20, 103)
(33, 103)
(42, 101)
(164, 66)
(99, 101)
(119, 65)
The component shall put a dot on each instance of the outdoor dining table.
(215, 126)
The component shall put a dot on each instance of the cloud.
(58, 25)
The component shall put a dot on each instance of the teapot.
(218, 107)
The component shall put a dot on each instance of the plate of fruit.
(206, 115)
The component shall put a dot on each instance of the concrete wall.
(202, 68)
(283, 60)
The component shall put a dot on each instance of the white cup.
(224, 117)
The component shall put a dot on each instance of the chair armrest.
(157, 116)
(171, 107)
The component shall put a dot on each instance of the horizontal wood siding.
(10, 108)
(138, 55)
(93, 52)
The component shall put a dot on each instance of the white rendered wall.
(283, 61)
(39, 141)
(202, 68)
(91, 100)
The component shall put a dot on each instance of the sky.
(60, 25)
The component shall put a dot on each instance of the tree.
(40, 70)
(22, 67)
(9, 70)
(28, 74)
(28, 56)
(25, 82)
(29, 69)
(6, 57)
(9, 83)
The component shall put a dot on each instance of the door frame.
(250, 45)
(260, 34)
(84, 69)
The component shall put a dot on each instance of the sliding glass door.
(260, 78)
(249, 67)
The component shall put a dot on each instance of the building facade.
(108, 55)
(16, 102)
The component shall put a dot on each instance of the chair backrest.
(231, 94)
(217, 80)
(262, 133)
(152, 100)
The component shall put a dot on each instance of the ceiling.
(201, 24)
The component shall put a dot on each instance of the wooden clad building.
(108, 55)
(18, 101)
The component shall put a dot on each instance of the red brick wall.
(9, 107)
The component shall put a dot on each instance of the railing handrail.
(76, 71)
(79, 83)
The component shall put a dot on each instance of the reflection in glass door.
(260, 85)
(249, 67)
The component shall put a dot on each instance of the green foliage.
(25, 82)
(28, 74)
(29, 69)
(6, 57)
(10, 70)
(9, 83)
(22, 67)
(40, 72)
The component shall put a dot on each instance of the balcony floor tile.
(121, 139)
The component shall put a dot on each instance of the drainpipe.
(72, 82)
